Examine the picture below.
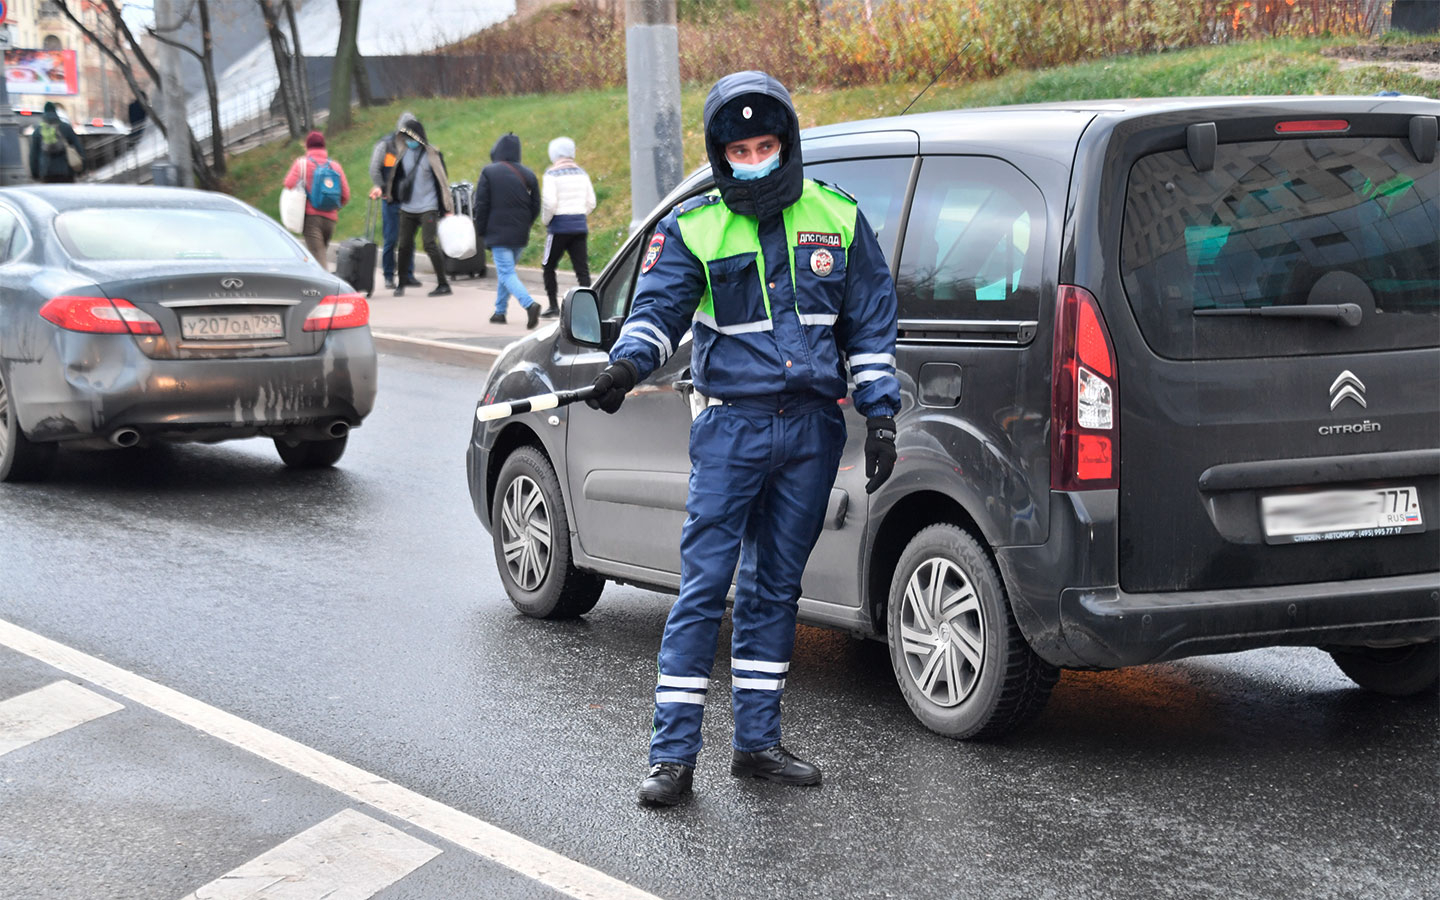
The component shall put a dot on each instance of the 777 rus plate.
(1337, 515)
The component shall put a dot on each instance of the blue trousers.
(760, 480)
(507, 283)
(390, 229)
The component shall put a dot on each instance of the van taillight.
(1084, 441)
(98, 315)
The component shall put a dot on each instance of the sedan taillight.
(98, 315)
(339, 311)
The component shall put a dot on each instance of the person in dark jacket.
(419, 185)
(507, 200)
(48, 160)
(382, 160)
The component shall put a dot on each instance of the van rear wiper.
(1343, 313)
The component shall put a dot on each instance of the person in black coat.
(507, 202)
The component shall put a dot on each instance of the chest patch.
(822, 263)
(817, 239)
(652, 253)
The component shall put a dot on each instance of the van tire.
(1407, 671)
(1010, 686)
(527, 506)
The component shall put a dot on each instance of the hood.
(507, 149)
(409, 123)
(765, 196)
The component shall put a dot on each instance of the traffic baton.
(493, 411)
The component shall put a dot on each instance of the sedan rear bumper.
(87, 386)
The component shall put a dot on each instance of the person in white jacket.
(566, 198)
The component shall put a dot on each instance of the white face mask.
(752, 171)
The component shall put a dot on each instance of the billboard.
(41, 72)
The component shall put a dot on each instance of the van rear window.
(1263, 228)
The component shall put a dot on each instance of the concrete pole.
(652, 71)
(172, 89)
(12, 170)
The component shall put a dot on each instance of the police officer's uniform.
(790, 299)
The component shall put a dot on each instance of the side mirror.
(580, 317)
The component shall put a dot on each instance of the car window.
(973, 244)
(878, 185)
(1263, 227)
(8, 228)
(171, 233)
(615, 290)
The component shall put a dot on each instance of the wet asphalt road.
(358, 612)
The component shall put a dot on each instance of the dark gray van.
(1170, 372)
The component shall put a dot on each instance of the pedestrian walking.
(507, 200)
(135, 115)
(326, 191)
(56, 154)
(419, 185)
(782, 283)
(566, 198)
(382, 160)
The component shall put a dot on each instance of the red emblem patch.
(821, 262)
(652, 253)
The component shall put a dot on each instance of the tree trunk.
(282, 67)
(207, 64)
(344, 66)
(302, 78)
(362, 81)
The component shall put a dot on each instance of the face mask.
(752, 171)
(412, 144)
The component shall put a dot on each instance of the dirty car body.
(130, 315)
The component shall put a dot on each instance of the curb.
(434, 351)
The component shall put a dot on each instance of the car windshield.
(171, 233)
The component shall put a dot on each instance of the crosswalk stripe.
(531, 860)
(349, 856)
(47, 711)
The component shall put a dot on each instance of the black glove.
(612, 385)
(879, 451)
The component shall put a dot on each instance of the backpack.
(324, 193)
(50, 140)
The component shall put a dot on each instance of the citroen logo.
(235, 284)
(1347, 387)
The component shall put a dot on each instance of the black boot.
(550, 313)
(774, 764)
(532, 315)
(667, 784)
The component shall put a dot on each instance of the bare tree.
(206, 56)
(280, 48)
(346, 52)
(302, 79)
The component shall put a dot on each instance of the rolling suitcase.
(355, 258)
(462, 197)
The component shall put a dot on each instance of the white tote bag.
(292, 204)
(457, 236)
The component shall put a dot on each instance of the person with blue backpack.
(326, 190)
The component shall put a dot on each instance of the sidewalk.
(454, 329)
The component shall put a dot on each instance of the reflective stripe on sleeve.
(758, 684)
(873, 359)
(865, 377)
(679, 697)
(681, 681)
(637, 328)
(759, 665)
(664, 353)
(744, 328)
(817, 319)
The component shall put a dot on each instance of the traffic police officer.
(785, 287)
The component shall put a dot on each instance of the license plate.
(1337, 515)
(231, 326)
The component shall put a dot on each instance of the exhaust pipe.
(125, 437)
(339, 428)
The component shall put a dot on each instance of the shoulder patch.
(836, 189)
(652, 252)
(695, 203)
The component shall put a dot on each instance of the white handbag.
(292, 205)
(457, 236)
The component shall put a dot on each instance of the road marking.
(47, 711)
(531, 860)
(349, 856)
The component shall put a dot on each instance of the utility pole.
(11, 169)
(652, 73)
(172, 89)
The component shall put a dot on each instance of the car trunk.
(1280, 398)
(218, 314)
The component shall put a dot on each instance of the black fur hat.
(748, 116)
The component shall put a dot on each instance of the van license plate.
(1337, 515)
(231, 326)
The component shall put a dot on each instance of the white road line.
(48, 711)
(349, 856)
(531, 860)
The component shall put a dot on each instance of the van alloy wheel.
(525, 533)
(942, 631)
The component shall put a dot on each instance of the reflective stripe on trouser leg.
(729, 458)
(784, 525)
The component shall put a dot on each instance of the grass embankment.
(465, 130)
